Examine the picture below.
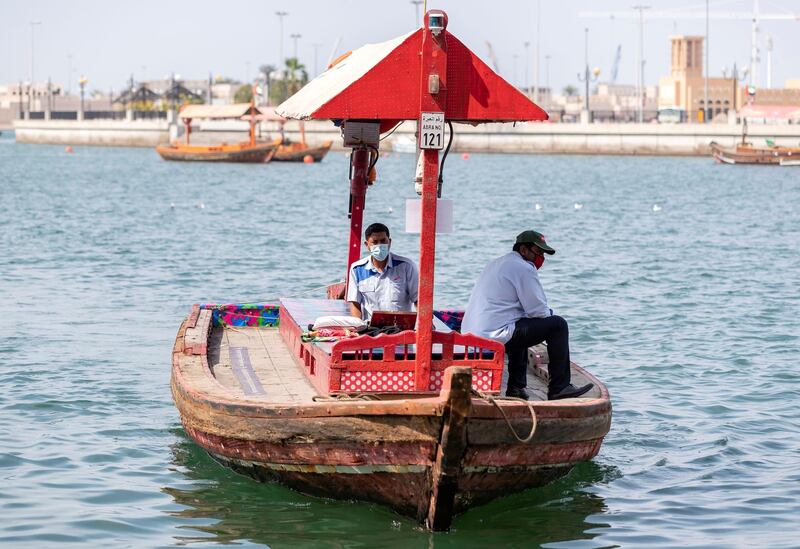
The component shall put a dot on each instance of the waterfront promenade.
(622, 139)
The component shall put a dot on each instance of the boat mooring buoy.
(68, 149)
(308, 159)
(578, 206)
(537, 206)
(656, 208)
(465, 156)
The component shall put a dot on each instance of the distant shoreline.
(531, 138)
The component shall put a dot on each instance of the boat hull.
(391, 451)
(222, 153)
(746, 154)
(290, 153)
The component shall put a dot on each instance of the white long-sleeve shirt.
(508, 289)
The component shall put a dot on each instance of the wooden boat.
(749, 154)
(297, 152)
(237, 152)
(290, 151)
(248, 151)
(412, 420)
(249, 393)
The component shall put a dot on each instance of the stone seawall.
(621, 139)
(545, 138)
(119, 133)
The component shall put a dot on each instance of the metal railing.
(96, 115)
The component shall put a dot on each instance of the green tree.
(570, 90)
(293, 77)
(244, 94)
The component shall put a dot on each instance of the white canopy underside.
(335, 80)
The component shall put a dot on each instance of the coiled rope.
(494, 401)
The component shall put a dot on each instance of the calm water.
(691, 314)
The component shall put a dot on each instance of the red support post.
(359, 165)
(434, 65)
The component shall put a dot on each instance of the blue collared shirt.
(394, 289)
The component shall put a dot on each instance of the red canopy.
(381, 82)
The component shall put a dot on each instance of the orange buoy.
(465, 156)
(68, 149)
(308, 159)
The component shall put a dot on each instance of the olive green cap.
(532, 237)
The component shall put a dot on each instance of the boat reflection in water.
(220, 506)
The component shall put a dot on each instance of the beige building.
(685, 86)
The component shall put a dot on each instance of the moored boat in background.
(248, 151)
(292, 151)
(749, 154)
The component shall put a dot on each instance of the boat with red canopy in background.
(413, 419)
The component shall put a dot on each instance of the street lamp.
(33, 25)
(416, 5)
(527, 62)
(587, 75)
(514, 80)
(82, 81)
(295, 38)
(281, 15)
(640, 62)
(547, 74)
(736, 80)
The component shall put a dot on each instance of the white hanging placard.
(444, 215)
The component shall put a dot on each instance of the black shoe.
(570, 391)
(517, 392)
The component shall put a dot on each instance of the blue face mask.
(379, 251)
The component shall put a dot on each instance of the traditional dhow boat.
(749, 154)
(301, 152)
(291, 151)
(412, 419)
(248, 151)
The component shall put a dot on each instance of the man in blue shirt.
(508, 305)
(382, 281)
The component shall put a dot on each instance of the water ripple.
(688, 314)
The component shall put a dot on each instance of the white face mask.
(379, 251)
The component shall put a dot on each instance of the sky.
(107, 41)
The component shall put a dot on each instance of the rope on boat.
(493, 401)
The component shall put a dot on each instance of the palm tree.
(570, 90)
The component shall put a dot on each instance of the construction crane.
(756, 16)
(492, 57)
(615, 67)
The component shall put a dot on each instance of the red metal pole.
(434, 63)
(359, 164)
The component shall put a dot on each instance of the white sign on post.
(431, 130)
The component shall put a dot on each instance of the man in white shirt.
(382, 281)
(508, 305)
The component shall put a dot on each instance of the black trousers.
(532, 331)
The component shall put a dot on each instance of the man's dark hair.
(376, 228)
(518, 245)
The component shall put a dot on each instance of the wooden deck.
(255, 363)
